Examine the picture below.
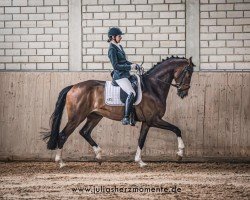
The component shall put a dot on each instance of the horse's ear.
(190, 60)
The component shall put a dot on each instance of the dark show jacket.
(119, 62)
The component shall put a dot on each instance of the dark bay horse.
(85, 100)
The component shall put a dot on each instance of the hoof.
(142, 164)
(61, 165)
(98, 156)
(98, 153)
(179, 154)
(99, 161)
(179, 158)
(57, 158)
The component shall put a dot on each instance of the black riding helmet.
(114, 31)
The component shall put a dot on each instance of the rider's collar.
(116, 44)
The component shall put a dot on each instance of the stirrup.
(126, 121)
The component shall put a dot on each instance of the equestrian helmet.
(114, 31)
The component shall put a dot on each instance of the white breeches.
(125, 84)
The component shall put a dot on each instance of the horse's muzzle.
(182, 93)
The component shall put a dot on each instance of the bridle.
(182, 75)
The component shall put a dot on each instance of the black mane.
(158, 63)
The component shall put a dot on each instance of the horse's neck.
(160, 80)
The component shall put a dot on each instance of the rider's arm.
(127, 62)
(114, 61)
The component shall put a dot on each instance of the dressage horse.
(85, 100)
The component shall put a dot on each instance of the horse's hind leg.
(167, 126)
(58, 158)
(63, 136)
(141, 141)
(92, 120)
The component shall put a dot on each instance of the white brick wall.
(224, 35)
(35, 34)
(148, 24)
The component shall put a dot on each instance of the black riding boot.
(132, 117)
(128, 108)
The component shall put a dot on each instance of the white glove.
(133, 66)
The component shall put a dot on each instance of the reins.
(177, 85)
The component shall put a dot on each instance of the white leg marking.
(98, 152)
(58, 155)
(180, 143)
(62, 164)
(138, 155)
(138, 158)
(181, 146)
(58, 158)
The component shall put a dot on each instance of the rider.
(121, 70)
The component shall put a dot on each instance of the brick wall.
(33, 34)
(154, 29)
(225, 34)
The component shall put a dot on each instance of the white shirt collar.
(116, 45)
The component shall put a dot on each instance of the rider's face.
(118, 38)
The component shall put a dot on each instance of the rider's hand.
(134, 66)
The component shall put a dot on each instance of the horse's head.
(182, 76)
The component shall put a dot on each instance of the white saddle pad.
(112, 94)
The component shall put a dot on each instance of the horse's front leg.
(141, 141)
(167, 126)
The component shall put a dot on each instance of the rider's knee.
(131, 94)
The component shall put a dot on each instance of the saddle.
(123, 95)
(115, 96)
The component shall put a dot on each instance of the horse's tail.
(55, 120)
